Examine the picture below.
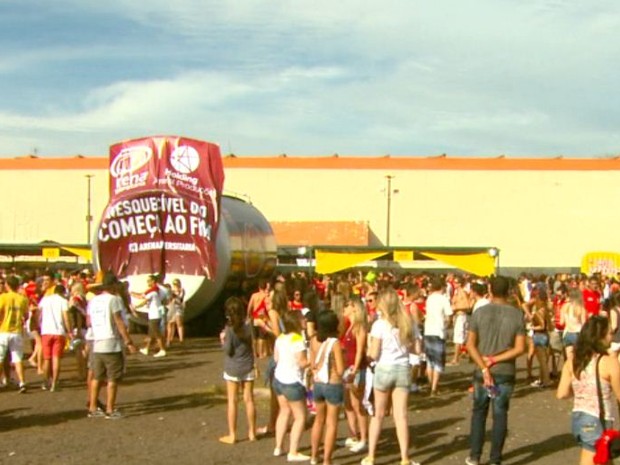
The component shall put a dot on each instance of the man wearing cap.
(110, 335)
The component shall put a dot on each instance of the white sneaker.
(161, 353)
(277, 452)
(348, 442)
(297, 457)
(359, 446)
(144, 351)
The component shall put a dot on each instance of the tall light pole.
(389, 178)
(89, 217)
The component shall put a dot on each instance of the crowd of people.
(48, 314)
(364, 342)
(356, 343)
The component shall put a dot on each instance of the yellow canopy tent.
(478, 261)
(480, 264)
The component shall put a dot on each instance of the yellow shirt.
(13, 310)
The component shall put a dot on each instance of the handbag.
(608, 445)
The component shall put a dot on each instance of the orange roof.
(387, 162)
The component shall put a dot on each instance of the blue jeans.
(501, 403)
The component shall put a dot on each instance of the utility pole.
(389, 208)
(89, 217)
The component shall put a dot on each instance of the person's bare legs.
(541, 356)
(349, 412)
(530, 357)
(399, 413)
(433, 378)
(36, 358)
(55, 371)
(112, 390)
(356, 395)
(298, 409)
(19, 371)
(180, 328)
(170, 333)
(456, 358)
(147, 344)
(250, 408)
(94, 394)
(376, 422)
(331, 427)
(586, 457)
(317, 428)
(232, 388)
(282, 421)
(46, 373)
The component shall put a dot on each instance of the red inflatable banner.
(164, 208)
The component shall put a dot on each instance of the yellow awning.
(85, 253)
(480, 264)
(332, 262)
(606, 263)
(403, 255)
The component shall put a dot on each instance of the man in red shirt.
(592, 297)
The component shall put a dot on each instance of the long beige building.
(537, 212)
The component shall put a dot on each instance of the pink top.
(586, 399)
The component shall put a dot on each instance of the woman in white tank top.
(579, 381)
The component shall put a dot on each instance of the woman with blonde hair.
(176, 310)
(291, 361)
(353, 341)
(540, 312)
(390, 344)
(573, 317)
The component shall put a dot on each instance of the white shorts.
(251, 376)
(14, 343)
(460, 328)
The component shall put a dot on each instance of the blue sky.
(263, 77)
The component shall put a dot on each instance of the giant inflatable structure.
(166, 215)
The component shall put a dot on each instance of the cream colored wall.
(536, 218)
(49, 205)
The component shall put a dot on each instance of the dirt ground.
(175, 409)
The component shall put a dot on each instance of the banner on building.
(605, 263)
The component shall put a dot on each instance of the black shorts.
(108, 366)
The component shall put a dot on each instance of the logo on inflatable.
(130, 160)
(127, 162)
(185, 159)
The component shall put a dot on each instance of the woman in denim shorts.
(572, 317)
(540, 339)
(291, 360)
(327, 368)
(579, 381)
(391, 338)
(353, 342)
